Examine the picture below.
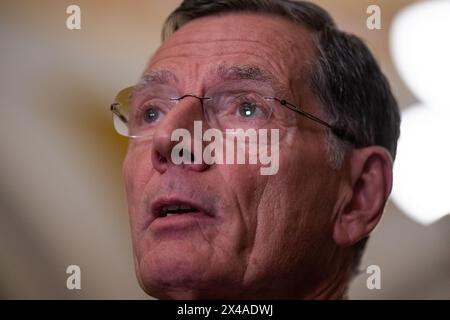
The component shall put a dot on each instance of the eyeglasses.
(138, 115)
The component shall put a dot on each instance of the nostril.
(159, 162)
(182, 155)
(161, 158)
(162, 161)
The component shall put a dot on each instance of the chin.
(175, 276)
(185, 278)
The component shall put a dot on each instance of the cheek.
(295, 206)
(240, 188)
(312, 191)
(137, 171)
(245, 187)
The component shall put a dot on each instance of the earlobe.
(366, 190)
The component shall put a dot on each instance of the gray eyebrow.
(223, 71)
(242, 72)
(249, 72)
(154, 77)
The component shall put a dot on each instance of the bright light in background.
(420, 43)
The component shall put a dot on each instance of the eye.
(251, 110)
(152, 114)
(247, 109)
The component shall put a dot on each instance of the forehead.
(275, 44)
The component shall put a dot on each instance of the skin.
(283, 236)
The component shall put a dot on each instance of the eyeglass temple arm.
(340, 133)
(117, 112)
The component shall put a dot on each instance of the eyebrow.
(249, 72)
(155, 77)
(223, 72)
(242, 72)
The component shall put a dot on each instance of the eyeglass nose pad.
(205, 101)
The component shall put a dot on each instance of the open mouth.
(178, 213)
(176, 209)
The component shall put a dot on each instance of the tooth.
(185, 207)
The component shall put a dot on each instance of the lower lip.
(179, 221)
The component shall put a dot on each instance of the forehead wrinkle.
(237, 71)
(176, 49)
(179, 49)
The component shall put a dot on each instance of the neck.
(334, 290)
(334, 286)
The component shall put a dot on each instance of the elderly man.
(209, 229)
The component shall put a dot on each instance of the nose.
(182, 116)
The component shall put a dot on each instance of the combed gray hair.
(345, 77)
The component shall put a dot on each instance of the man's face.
(254, 234)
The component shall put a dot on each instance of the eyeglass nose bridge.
(201, 98)
(176, 100)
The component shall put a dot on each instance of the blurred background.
(61, 195)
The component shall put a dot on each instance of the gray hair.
(344, 75)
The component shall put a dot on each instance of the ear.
(363, 195)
